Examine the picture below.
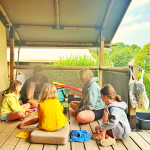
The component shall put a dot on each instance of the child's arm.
(112, 122)
(12, 104)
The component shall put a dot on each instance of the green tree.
(122, 58)
(144, 54)
(75, 60)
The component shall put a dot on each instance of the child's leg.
(74, 105)
(26, 106)
(16, 115)
(102, 135)
(30, 122)
(105, 119)
(85, 116)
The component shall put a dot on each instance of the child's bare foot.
(98, 136)
(21, 126)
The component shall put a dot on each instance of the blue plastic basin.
(144, 120)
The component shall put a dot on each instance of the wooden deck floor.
(8, 141)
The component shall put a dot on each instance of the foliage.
(75, 60)
(144, 54)
(121, 54)
(122, 58)
(141, 110)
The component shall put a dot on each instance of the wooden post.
(11, 36)
(102, 38)
(57, 14)
(132, 111)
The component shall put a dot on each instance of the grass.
(140, 110)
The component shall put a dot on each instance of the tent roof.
(63, 23)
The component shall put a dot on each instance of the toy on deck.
(23, 135)
(70, 87)
(34, 109)
(33, 126)
(65, 108)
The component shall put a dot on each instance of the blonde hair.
(12, 87)
(49, 91)
(110, 92)
(86, 74)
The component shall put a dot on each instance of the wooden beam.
(58, 43)
(11, 59)
(33, 27)
(81, 29)
(118, 69)
(59, 67)
(107, 13)
(57, 14)
(8, 21)
(52, 28)
(101, 62)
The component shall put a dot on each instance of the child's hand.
(29, 111)
(33, 103)
(97, 129)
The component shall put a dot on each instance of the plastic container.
(21, 77)
(144, 120)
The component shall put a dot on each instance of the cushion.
(56, 137)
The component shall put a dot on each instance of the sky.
(135, 26)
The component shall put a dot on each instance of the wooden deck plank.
(148, 131)
(92, 125)
(145, 135)
(139, 141)
(67, 146)
(118, 145)
(75, 126)
(4, 124)
(64, 147)
(12, 141)
(50, 147)
(34, 146)
(130, 144)
(24, 144)
(91, 144)
(7, 131)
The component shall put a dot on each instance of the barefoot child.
(11, 109)
(50, 112)
(115, 123)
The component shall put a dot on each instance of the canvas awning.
(63, 23)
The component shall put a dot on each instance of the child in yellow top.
(10, 108)
(50, 112)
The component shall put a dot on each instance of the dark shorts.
(98, 114)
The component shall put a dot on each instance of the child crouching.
(115, 123)
(50, 112)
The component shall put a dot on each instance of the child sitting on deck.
(50, 112)
(115, 123)
(10, 108)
